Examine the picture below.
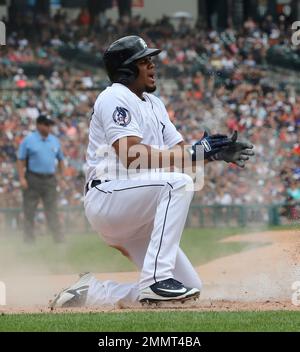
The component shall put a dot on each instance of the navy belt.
(93, 183)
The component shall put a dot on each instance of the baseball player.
(143, 215)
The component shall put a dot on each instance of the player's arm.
(21, 167)
(22, 163)
(182, 144)
(61, 166)
(134, 154)
(61, 174)
(60, 160)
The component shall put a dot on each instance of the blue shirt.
(40, 152)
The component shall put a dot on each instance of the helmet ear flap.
(126, 75)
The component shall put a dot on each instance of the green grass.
(87, 252)
(154, 321)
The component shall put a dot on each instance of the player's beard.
(150, 89)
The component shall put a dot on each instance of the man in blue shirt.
(39, 155)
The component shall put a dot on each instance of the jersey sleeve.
(60, 154)
(118, 119)
(170, 134)
(23, 150)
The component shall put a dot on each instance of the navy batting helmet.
(119, 58)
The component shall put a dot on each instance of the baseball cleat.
(168, 290)
(75, 295)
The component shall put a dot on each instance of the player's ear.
(127, 75)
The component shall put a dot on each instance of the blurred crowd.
(207, 79)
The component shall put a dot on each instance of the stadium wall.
(152, 10)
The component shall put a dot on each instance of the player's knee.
(189, 184)
(178, 180)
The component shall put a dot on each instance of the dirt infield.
(258, 279)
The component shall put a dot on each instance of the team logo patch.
(121, 116)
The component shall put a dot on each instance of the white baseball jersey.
(118, 112)
(143, 216)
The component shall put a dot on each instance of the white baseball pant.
(144, 217)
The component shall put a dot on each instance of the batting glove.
(212, 144)
(237, 153)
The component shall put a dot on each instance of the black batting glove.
(212, 144)
(237, 153)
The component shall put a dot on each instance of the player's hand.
(237, 153)
(212, 144)
(24, 183)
